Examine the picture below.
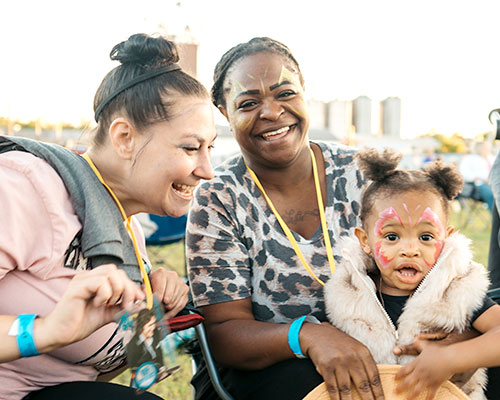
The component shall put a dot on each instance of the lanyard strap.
(287, 231)
(147, 283)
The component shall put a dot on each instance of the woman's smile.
(277, 134)
(183, 191)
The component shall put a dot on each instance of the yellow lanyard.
(147, 283)
(287, 231)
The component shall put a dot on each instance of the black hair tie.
(141, 78)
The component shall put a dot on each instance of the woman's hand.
(170, 289)
(91, 301)
(427, 372)
(341, 360)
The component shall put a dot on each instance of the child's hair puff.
(381, 168)
(376, 165)
(446, 177)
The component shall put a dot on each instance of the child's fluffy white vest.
(446, 299)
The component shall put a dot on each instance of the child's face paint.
(405, 234)
(266, 109)
(405, 207)
(384, 216)
(431, 216)
(383, 261)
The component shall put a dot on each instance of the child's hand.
(443, 337)
(415, 347)
(427, 372)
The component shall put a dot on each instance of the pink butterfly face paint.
(384, 216)
(405, 207)
(388, 213)
(379, 255)
(433, 218)
(406, 233)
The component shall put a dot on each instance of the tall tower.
(340, 118)
(188, 51)
(362, 115)
(317, 114)
(390, 117)
(177, 29)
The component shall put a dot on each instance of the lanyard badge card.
(150, 355)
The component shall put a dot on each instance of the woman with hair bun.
(71, 253)
(409, 273)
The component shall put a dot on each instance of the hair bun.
(376, 165)
(142, 49)
(445, 176)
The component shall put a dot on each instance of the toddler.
(408, 273)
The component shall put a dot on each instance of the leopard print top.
(236, 248)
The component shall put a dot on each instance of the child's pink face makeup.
(433, 218)
(406, 234)
(385, 215)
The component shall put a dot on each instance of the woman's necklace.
(147, 283)
(287, 231)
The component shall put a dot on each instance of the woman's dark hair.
(381, 168)
(143, 103)
(253, 46)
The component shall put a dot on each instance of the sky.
(440, 57)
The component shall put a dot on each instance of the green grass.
(475, 223)
(177, 386)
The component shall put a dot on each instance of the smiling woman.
(163, 168)
(74, 249)
(259, 238)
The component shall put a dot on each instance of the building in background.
(362, 115)
(188, 52)
(339, 119)
(186, 43)
(390, 117)
(318, 117)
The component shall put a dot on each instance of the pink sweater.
(38, 223)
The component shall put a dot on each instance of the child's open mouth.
(409, 275)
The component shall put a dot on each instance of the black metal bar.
(212, 370)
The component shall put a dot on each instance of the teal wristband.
(293, 337)
(25, 341)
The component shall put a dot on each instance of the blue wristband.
(24, 336)
(293, 337)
